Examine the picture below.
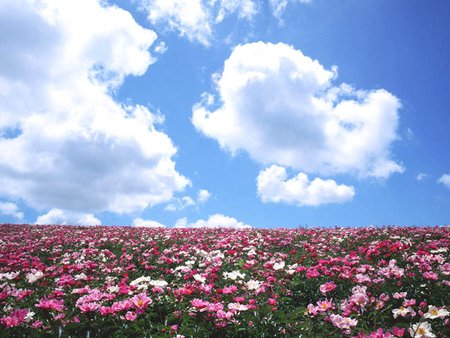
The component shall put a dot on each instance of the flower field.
(70, 281)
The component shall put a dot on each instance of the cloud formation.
(139, 222)
(274, 186)
(11, 209)
(65, 143)
(58, 216)
(445, 180)
(214, 221)
(181, 203)
(195, 19)
(282, 107)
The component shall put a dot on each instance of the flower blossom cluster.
(307, 282)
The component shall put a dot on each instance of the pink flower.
(324, 305)
(105, 310)
(199, 303)
(229, 289)
(15, 318)
(88, 307)
(343, 322)
(430, 275)
(327, 287)
(121, 305)
(312, 310)
(409, 302)
(130, 315)
(37, 324)
(140, 302)
(397, 331)
(224, 315)
(157, 289)
(399, 295)
(51, 304)
(359, 299)
(214, 307)
(272, 301)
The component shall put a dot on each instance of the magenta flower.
(51, 304)
(15, 318)
(88, 307)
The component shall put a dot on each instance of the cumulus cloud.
(181, 203)
(281, 107)
(274, 186)
(58, 216)
(139, 222)
(74, 150)
(214, 221)
(445, 180)
(195, 19)
(10, 209)
(203, 195)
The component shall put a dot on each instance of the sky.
(232, 113)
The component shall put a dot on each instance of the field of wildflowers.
(70, 281)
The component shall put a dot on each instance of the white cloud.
(76, 149)
(445, 180)
(214, 221)
(139, 222)
(188, 17)
(181, 203)
(274, 186)
(10, 209)
(279, 6)
(161, 48)
(421, 177)
(195, 19)
(281, 107)
(58, 216)
(245, 9)
(203, 196)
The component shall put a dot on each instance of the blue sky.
(189, 113)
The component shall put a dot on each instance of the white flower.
(402, 311)
(140, 280)
(29, 316)
(233, 275)
(253, 284)
(34, 275)
(434, 312)
(9, 275)
(421, 330)
(279, 265)
(81, 276)
(158, 283)
(199, 278)
(113, 289)
(237, 307)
